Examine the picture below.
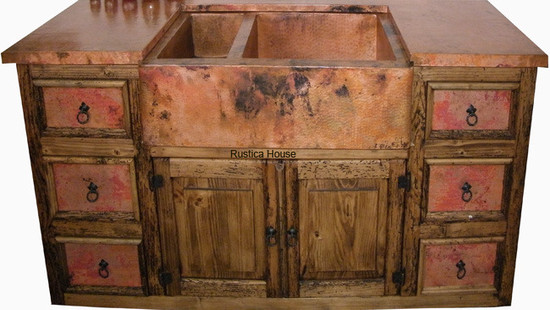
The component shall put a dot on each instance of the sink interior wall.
(289, 35)
(203, 36)
(317, 36)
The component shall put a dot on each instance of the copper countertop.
(435, 32)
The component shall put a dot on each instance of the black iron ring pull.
(461, 273)
(271, 236)
(471, 119)
(103, 271)
(466, 192)
(83, 116)
(292, 237)
(92, 195)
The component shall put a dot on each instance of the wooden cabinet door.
(213, 221)
(344, 228)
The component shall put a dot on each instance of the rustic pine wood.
(94, 147)
(525, 111)
(227, 288)
(469, 148)
(453, 216)
(334, 205)
(273, 218)
(164, 302)
(415, 166)
(225, 153)
(396, 208)
(148, 214)
(167, 227)
(289, 209)
(219, 224)
(218, 213)
(462, 230)
(213, 168)
(94, 227)
(33, 120)
(341, 228)
(105, 290)
(345, 288)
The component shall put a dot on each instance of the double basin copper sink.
(278, 80)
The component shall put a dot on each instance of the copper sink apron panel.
(276, 107)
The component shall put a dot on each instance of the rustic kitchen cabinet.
(279, 155)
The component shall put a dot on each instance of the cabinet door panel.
(218, 225)
(214, 236)
(340, 229)
(341, 214)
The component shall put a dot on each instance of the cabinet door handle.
(93, 194)
(271, 236)
(466, 192)
(103, 271)
(83, 116)
(292, 237)
(471, 119)
(461, 273)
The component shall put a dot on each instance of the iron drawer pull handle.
(271, 236)
(92, 195)
(292, 237)
(466, 192)
(461, 273)
(471, 119)
(103, 271)
(83, 116)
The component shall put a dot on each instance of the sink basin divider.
(245, 38)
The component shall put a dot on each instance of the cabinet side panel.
(525, 111)
(33, 120)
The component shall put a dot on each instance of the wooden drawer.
(92, 185)
(84, 107)
(458, 265)
(471, 110)
(104, 264)
(469, 187)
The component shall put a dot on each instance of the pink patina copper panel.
(239, 106)
(445, 192)
(440, 264)
(106, 107)
(83, 264)
(114, 187)
(449, 109)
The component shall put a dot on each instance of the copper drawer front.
(458, 265)
(471, 110)
(93, 108)
(465, 188)
(103, 265)
(92, 187)
(492, 109)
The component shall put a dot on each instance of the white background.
(23, 280)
